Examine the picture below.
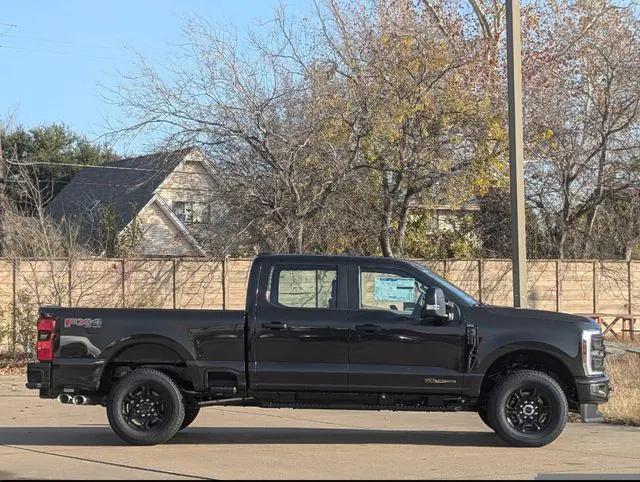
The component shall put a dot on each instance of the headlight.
(593, 352)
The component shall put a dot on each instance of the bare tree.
(277, 147)
(582, 113)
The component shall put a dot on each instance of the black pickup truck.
(338, 332)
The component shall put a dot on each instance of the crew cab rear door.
(299, 334)
(391, 348)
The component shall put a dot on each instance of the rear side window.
(303, 288)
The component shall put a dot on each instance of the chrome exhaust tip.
(80, 400)
(64, 398)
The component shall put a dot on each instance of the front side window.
(448, 286)
(389, 291)
(303, 288)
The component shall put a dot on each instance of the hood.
(525, 314)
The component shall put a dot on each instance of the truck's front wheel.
(482, 412)
(145, 407)
(528, 409)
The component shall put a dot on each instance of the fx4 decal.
(83, 322)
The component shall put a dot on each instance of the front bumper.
(593, 389)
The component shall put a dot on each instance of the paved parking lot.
(44, 439)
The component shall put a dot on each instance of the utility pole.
(3, 174)
(516, 156)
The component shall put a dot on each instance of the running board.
(446, 405)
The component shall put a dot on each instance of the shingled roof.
(126, 185)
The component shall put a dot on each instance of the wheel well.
(530, 360)
(148, 355)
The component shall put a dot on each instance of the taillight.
(46, 338)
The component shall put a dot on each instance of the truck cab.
(341, 332)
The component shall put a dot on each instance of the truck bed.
(200, 340)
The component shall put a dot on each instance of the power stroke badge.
(83, 322)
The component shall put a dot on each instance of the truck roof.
(342, 258)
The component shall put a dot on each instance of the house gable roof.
(126, 185)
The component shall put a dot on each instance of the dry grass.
(13, 364)
(624, 403)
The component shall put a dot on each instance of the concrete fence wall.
(576, 286)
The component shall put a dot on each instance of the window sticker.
(394, 289)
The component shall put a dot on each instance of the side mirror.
(435, 305)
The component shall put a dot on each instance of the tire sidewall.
(484, 416)
(528, 379)
(154, 436)
(190, 414)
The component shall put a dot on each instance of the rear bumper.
(73, 375)
(593, 389)
(39, 378)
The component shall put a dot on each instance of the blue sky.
(55, 53)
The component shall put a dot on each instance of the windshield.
(466, 297)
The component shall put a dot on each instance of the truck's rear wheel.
(190, 414)
(527, 409)
(145, 407)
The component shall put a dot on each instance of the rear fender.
(146, 349)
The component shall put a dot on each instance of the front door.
(299, 340)
(392, 349)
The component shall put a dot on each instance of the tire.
(528, 409)
(482, 412)
(145, 407)
(190, 414)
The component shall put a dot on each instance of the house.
(446, 217)
(162, 201)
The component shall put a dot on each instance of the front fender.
(488, 355)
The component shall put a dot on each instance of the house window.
(191, 212)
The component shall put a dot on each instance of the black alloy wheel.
(145, 407)
(527, 408)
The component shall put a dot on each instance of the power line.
(52, 41)
(82, 183)
(85, 166)
(28, 49)
(8, 26)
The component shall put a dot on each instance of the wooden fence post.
(558, 286)
(14, 305)
(225, 282)
(173, 267)
(480, 280)
(69, 281)
(595, 287)
(124, 297)
(630, 291)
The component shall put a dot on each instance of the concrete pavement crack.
(600, 453)
(112, 464)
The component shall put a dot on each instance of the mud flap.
(589, 413)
